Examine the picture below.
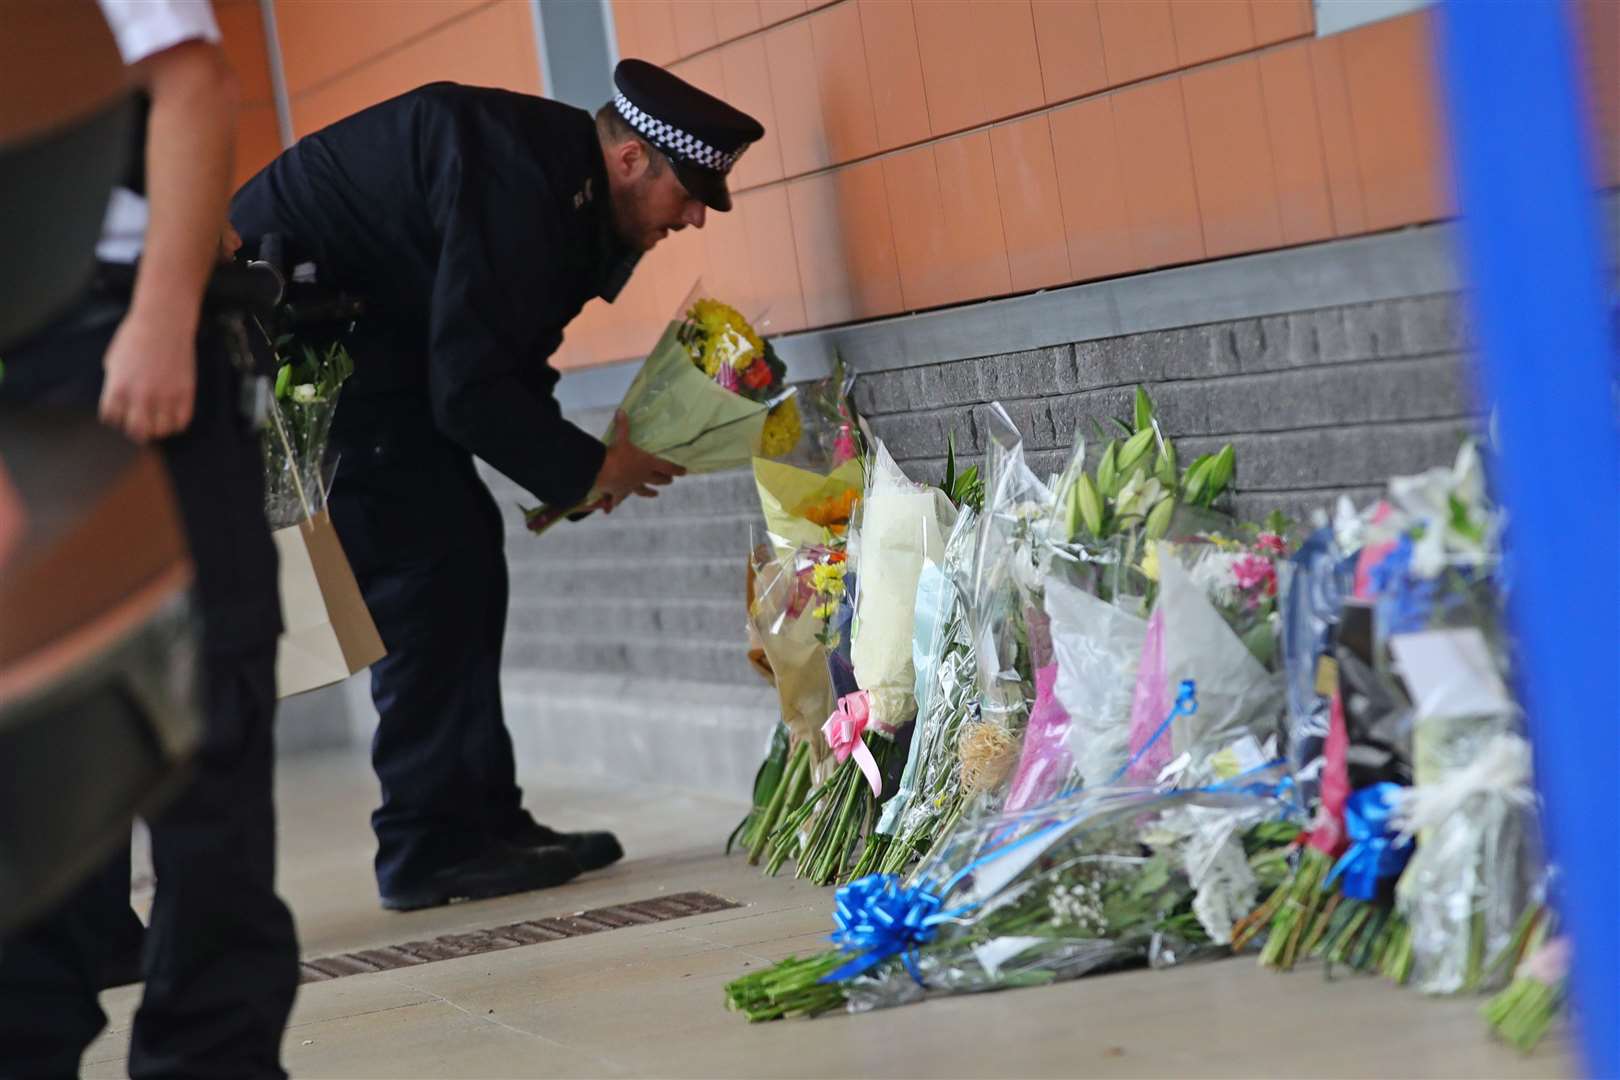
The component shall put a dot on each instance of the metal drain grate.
(532, 932)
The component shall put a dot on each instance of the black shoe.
(594, 850)
(500, 872)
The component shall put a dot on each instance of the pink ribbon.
(843, 731)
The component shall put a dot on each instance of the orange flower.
(833, 512)
(758, 375)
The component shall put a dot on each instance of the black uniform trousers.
(221, 957)
(427, 545)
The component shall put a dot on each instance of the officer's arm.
(151, 362)
(487, 321)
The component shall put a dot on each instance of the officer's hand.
(151, 383)
(628, 470)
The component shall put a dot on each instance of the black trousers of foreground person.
(221, 957)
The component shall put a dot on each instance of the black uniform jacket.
(475, 223)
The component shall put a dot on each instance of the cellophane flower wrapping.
(902, 524)
(678, 413)
(804, 508)
(1478, 864)
(784, 615)
(297, 472)
(1097, 644)
(1006, 617)
(1237, 695)
(1097, 880)
(946, 690)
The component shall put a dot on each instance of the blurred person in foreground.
(220, 958)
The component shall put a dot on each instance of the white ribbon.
(1502, 769)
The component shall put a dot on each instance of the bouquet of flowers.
(1212, 603)
(709, 397)
(1099, 588)
(1094, 881)
(786, 616)
(901, 525)
(296, 473)
(1006, 622)
(929, 798)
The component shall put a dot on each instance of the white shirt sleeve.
(146, 27)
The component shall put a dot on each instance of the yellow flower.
(1150, 563)
(826, 611)
(782, 429)
(828, 579)
(727, 337)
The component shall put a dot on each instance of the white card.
(1450, 673)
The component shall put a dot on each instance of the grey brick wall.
(626, 644)
(1316, 403)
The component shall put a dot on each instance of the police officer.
(476, 223)
(221, 960)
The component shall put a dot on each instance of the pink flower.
(1254, 574)
(1273, 543)
(726, 376)
(844, 446)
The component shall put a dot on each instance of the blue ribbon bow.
(1373, 854)
(878, 918)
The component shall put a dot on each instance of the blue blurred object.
(1535, 276)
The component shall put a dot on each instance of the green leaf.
(1096, 425)
(1091, 505)
(1124, 429)
(1167, 472)
(1134, 452)
(1108, 479)
(1155, 876)
(1277, 522)
(1158, 519)
(1195, 482)
(950, 462)
(1220, 471)
(1462, 522)
(284, 381)
(1144, 409)
(969, 490)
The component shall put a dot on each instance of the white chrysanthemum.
(1214, 574)
(305, 393)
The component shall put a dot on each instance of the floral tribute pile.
(1041, 727)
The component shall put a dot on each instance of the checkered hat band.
(675, 142)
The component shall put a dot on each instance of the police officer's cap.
(701, 135)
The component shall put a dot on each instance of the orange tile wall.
(241, 26)
(929, 152)
(341, 55)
